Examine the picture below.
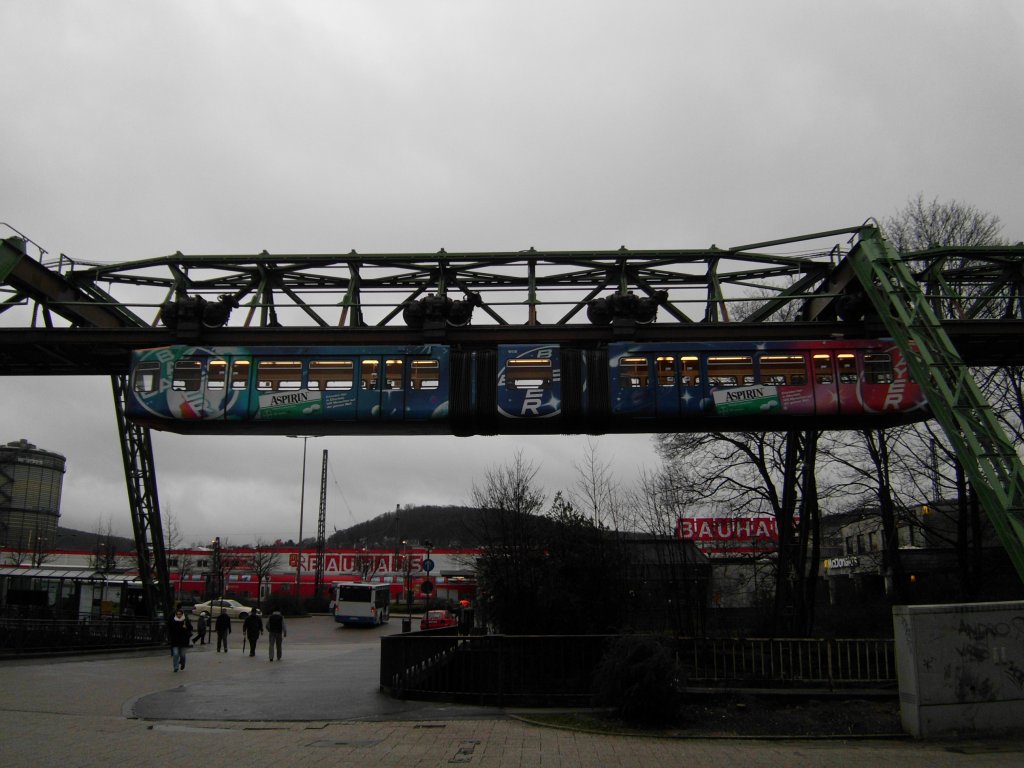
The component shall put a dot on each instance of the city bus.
(360, 603)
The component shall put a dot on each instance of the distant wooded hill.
(442, 526)
(69, 538)
(447, 527)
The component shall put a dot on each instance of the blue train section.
(516, 388)
(273, 389)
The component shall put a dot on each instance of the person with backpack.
(277, 630)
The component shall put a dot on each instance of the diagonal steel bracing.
(987, 455)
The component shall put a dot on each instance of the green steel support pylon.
(143, 501)
(987, 455)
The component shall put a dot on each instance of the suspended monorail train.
(524, 388)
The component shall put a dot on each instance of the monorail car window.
(331, 374)
(278, 375)
(666, 370)
(633, 372)
(188, 375)
(690, 371)
(731, 371)
(425, 374)
(528, 373)
(823, 369)
(781, 370)
(240, 374)
(147, 377)
(393, 378)
(847, 368)
(369, 374)
(217, 374)
(877, 368)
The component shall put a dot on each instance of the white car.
(232, 608)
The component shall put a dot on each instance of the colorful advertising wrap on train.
(743, 401)
(729, 534)
(288, 405)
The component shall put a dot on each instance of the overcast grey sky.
(133, 130)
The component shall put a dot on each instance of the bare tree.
(871, 469)
(35, 550)
(511, 541)
(756, 473)
(922, 225)
(363, 564)
(104, 556)
(176, 552)
(263, 562)
(595, 491)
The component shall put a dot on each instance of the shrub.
(637, 677)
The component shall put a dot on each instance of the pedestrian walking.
(179, 632)
(253, 628)
(277, 630)
(223, 627)
(200, 630)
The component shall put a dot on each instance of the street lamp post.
(218, 585)
(407, 623)
(302, 508)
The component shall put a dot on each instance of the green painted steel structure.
(987, 455)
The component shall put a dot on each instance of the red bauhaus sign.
(730, 534)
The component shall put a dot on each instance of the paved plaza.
(320, 706)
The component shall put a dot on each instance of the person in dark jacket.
(253, 627)
(223, 627)
(200, 630)
(179, 632)
(277, 630)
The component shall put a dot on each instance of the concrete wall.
(960, 667)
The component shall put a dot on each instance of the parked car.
(437, 620)
(232, 608)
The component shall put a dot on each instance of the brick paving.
(53, 739)
(82, 712)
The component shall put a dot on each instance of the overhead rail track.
(87, 319)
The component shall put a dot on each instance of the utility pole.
(321, 538)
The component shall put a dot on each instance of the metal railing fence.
(25, 637)
(780, 662)
(560, 669)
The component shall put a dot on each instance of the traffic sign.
(426, 587)
(428, 565)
